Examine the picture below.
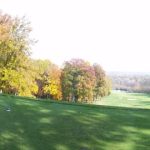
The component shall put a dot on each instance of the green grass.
(43, 125)
(123, 99)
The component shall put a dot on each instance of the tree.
(14, 55)
(48, 79)
(103, 84)
(15, 42)
(52, 82)
(20, 74)
(78, 80)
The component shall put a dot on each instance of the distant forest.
(130, 82)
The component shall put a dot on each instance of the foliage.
(80, 81)
(52, 82)
(103, 84)
(21, 75)
(14, 42)
(14, 56)
(48, 79)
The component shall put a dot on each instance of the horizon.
(114, 34)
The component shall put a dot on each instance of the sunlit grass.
(123, 99)
(44, 125)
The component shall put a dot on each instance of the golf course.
(124, 99)
(120, 122)
(74, 75)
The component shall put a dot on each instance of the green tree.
(103, 83)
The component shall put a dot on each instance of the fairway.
(43, 125)
(124, 99)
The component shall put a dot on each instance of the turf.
(43, 125)
(123, 99)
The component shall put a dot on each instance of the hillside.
(130, 81)
(38, 125)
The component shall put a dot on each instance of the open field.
(123, 99)
(42, 125)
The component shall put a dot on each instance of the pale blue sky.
(114, 33)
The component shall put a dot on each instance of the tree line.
(77, 80)
(131, 82)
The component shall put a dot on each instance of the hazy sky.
(114, 33)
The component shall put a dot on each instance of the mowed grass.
(123, 99)
(43, 125)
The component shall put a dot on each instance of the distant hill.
(130, 81)
(128, 73)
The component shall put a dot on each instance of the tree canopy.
(83, 82)
(77, 81)
(14, 55)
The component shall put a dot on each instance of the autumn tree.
(52, 82)
(48, 79)
(14, 55)
(78, 80)
(19, 74)
(14, 41)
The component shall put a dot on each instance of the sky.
(115, 34)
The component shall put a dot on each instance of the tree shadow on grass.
(51, 126)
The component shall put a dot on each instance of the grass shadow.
(40, 125)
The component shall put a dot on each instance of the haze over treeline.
(114, 34)
(130, 81)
